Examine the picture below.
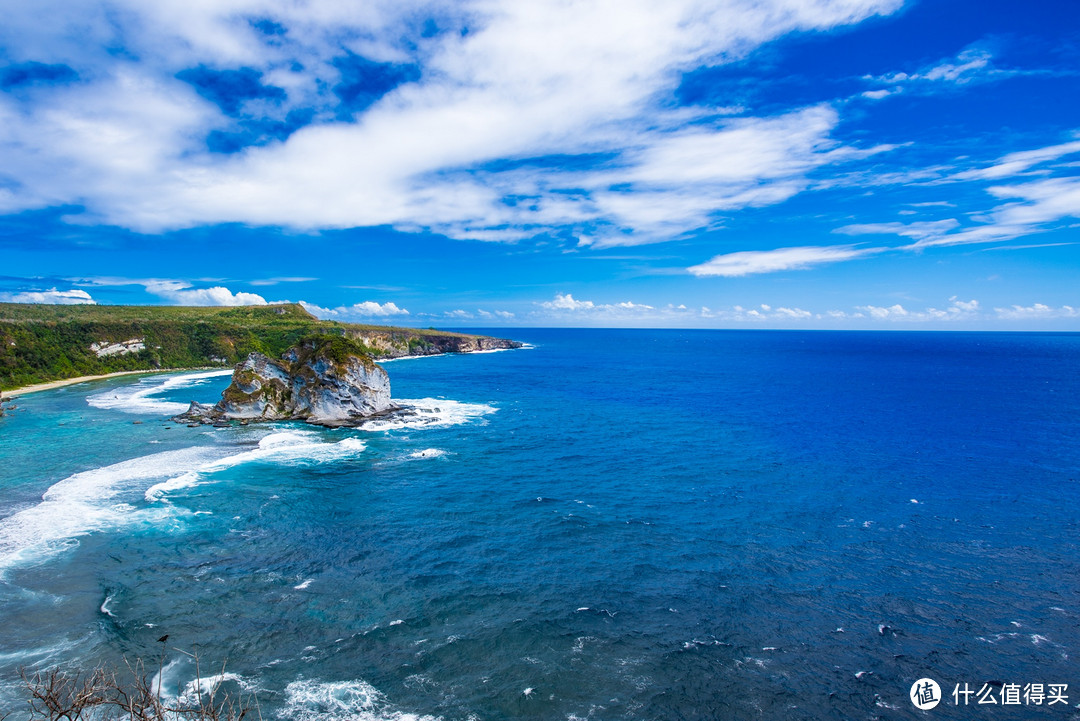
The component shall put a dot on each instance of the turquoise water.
(608, 525)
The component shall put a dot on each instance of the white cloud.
(1036, 311)
(1029, 208)
(749, 262)
(51, 296)
(366, 309)
(1017, 163)
(276, 281)
(918, 230)
(1033, 208)
(504, 314)
(182, 293)
(956, 311)
(567, 302)
(968, 66)
(879, 94)
(565, 305)
(127, 141)
(764, 314)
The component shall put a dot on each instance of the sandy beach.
(83, 379)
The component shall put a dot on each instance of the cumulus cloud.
(567, 302)
(956, 310)
(444, 147)
(51, 296)
(763, 314)
(1036, 311)
(748, 262)
(180, 292)
(566, 306)
(366, 309)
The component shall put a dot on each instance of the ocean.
(607, 524)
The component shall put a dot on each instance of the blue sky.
(730, 164)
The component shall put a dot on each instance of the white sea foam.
(409, 357)
(206, 687)
(303, 585)
(308, 700)
(428, 453)
(285, 448)
(431, 413)
(159, 683)
(139, 397)
(86, 502)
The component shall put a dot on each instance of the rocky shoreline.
(325, 380)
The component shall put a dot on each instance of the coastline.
(37, 387)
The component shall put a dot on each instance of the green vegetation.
(40, 343)
(337, 349)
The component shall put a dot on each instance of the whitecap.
(288, 448)
(430, 413)
(308, 700)
(428, 453)
(86, 502)
(303, 585)
(380, 361)
(139, 397)
(206, 687)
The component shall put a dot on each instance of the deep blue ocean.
(610, 524)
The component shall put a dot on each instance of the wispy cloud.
(277, 281)
(1031, 208)
(970, 65)
(918, 230)
(749, 262)
(1016, 163)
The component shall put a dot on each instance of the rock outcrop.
(326, 380)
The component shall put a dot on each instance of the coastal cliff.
(43, 343)
(386, 343)
(325, 380)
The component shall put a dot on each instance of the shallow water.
(610, 525)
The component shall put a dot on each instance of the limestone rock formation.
(326, 380)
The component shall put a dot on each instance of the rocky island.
(326, 380)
